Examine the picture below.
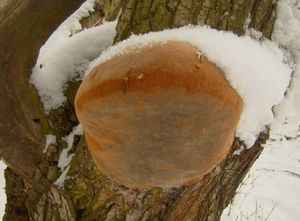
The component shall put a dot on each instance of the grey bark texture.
(86, 193)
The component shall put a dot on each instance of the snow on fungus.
(158, 115)
(255, 69)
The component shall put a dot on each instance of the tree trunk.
(156, 15)
(86, 193)
(24, 27)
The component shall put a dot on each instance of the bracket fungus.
(158, 115)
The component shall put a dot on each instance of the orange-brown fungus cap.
(158, 115)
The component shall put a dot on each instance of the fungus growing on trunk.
(159, 115)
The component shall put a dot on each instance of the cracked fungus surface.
(160, 115)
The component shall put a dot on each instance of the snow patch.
(255, 69)
(2, 190)
(50, 139)
(65, 157)
(61, 179)
(287, 35)
(66, 54)
(72, 25)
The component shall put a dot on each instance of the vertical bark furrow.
(260, 11)
(269, 20)
(225, 15)
(182, 15)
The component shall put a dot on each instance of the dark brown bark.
(87, 194)
(156, 15)
(16, 197)
(24, 27)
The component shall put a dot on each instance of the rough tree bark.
(24, 27)
(87, 194)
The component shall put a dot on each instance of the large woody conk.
(160, 115)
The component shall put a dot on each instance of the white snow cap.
(254, 69)
(66, 60)
(66, 55)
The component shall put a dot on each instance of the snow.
(65, 157)
(271, 188)
(2, 189)
(287, 35)
(61, 179)
(66, 54)
(50, 139)
(255, 69)
(270, 191)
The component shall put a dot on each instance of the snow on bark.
(2, 189)
(272, 184)
(50, 139)
(66, 54)
(65, 157)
